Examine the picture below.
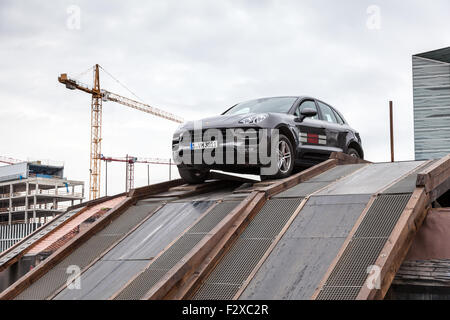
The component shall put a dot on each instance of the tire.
(193, 176)
(288, 166)
(353, 153)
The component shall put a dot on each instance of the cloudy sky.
(195, 59)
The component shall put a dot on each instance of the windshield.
(279, 105)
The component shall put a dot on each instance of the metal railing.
(50, 192)
(11, 234)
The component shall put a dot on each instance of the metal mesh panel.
(213, 291)
(89, 251)
(236, 266)
(271, 219)
(45, 286)
(239, 262)
(130, 218)
(351, 271)
(86, 253)
(207, 223)
(339, 293)
(140, 286)
(161, 265)
(56, 277)
(177, 251)
(382, 216)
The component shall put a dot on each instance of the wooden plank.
(344, 158)
(428, 273)
(236, 220)
(92, 203)
(143, 192)
(398, 244)
(435, 175)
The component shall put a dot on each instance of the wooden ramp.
(339, 230)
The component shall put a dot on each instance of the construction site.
(343, 229)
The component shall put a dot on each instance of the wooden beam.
(236, 220)
(427, 273)
(344, 158)
(436, 178)
(398, 244)
(143, 192)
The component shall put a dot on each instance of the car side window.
(308, 104)
(327, 113)
(338, 117)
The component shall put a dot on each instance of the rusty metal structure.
(130, 161)
(339, 230)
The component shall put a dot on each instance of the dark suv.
(308, 131)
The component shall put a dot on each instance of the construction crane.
(129, 173)
(8, 160)
(98, 96)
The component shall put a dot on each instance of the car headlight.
(254, 119)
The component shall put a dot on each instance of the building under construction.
(31, 194)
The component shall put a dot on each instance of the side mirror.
(306, 113)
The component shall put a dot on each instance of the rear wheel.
(353, 153)
(285, 159)
(193, 176)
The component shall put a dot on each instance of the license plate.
(204, 145)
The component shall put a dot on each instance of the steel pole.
(106, 178)
(391, 120)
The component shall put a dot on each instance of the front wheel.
(285, 159)
(353, 153)
(193, 176)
